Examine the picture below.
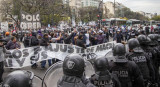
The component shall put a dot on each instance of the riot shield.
(36, 82)
(55, 72)
(110, 56)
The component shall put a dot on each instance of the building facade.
(92, 3)
(149, 15)
(1, 12)
(109, 8)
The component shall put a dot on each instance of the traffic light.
(98, 16)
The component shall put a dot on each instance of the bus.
(132, 22)
(113, 22)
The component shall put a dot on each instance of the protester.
(100, 37)
(7, 37)
(45, 42)
(106, 34)
(130, 73)
(12, 44)
(34, 42)
(80, 42)
(2, 51)
(118, 37)
(147, 30)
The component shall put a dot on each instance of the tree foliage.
(126, 12)
(88, 14)
(50, 10)
(156, 18)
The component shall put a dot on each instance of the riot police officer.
(103, 78)
(145, 43)
(127, 71)
(18, 79)
(142, 60)
(154, 45)
(73, 69)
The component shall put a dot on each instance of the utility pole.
(102, 8)
(70, 12)
(100, 14)
(115, 11)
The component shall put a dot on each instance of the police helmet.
(74, 65)
(153, 38)
(18, 79)
(158, 38)
(142, 39)
(119, 51)
(134, 45)
(101, 64)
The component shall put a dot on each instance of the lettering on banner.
(57, 48)
(25, 53)
(63, 48)
(90, 50)
(28, 56)
(34, 58)
(8, 63)
(20, 62)
(104, 47)
(70, 49)
(44, 55)
(30, 21)
(89, 56)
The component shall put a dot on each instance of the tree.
(50, 10)
(126, 12)
(88, 14)
(156, 18)
(7, 10)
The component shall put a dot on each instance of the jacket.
(11, 45)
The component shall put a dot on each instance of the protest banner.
(30, 21)
(19, 58)
(4, 26)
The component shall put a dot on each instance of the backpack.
(34, 41)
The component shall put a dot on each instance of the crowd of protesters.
(79, 36)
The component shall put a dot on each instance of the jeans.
(1, 71)
(43, 63)
(87, 45)
(34, 65)
(54, 60)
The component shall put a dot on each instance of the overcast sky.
(150, 6)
